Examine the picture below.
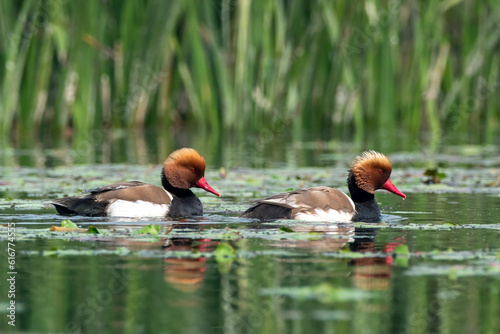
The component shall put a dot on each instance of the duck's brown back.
(317, 203)
(97, 201)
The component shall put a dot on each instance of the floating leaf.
(66, 229)
(430, 172)
(452, 274)
(122, 251)
(402, 255)
(402, 250)
(285, 229)
(149, 229)
(436, 176)
(315, 235)
(93, 230)
(223, 173)
(68, 223)
(253, 182)
(231, 236)
(224, 253)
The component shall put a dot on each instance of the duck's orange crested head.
(185, 168)
(372, 171)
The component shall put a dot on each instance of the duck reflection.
(185, 273)
(371, 273)
(324, 238)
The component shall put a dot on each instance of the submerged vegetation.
(247, 65)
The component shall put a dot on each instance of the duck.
(370, 171)
(182, 170)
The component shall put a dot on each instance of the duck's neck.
(366, 207)
(185, 203)
(178, 192)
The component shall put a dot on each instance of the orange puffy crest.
(371, 159)
(186, 157)
(372, 170)
(184, 167)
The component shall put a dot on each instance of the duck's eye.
(192, 169)
(381, 171)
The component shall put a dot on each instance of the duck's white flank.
(329, 215)
(121, 208)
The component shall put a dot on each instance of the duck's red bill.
(203, 184)
(389, 186)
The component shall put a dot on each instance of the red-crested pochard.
(183, 169)
(369, 172)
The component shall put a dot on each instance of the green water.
(433, 266)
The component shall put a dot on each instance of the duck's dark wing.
(84, 205)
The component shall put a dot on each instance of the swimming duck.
(183, 169)
(368, 173)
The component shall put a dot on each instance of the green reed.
(247, 65)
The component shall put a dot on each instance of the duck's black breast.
(185, 206)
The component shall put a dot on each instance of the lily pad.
(224, 253)
(402, 251)
(435, 175)
(149, 229)
(93, 230)
(68, 223)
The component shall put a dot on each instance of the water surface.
(432, 266)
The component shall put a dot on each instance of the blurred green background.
(413, 73)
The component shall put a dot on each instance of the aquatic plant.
(249, 65)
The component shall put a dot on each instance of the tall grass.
(244, 65)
